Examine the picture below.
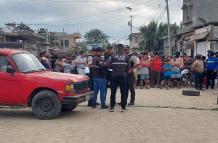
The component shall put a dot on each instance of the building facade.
(65, 41)
(25, 40)
(136, 38)
(200, 27)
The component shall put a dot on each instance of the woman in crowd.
(176, 75)
(167, 68)
(144, 71)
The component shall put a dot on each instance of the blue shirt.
(212, 63)
(167, 69)
(216, 63)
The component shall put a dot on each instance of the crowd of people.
(130, 71)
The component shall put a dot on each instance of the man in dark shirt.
(132, 64)
(99, 78)
(119, 64)
(44, 60)
(107, 57)
(211, 70)
(91, 82)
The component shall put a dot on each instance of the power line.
(161, 14)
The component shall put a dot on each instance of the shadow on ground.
(25, 113)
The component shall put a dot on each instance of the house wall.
(134, 43)
(70, 40)
(205, 9)
(166, 45)
(202, 48)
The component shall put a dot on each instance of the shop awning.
(199, 36)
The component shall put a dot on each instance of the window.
(62, 43)
(27, 62)
(67, 43)
(3, 63)
(136, 39)
(187, 12)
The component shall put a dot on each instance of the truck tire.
(191, 92)
(68, 108)
(46, 105)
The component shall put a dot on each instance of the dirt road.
(160, 116)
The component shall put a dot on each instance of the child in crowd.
(137, 80)
(67, 65)
(144, 72)
(176, 75)
(59, 65)
(167, 72)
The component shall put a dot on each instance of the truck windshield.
(27, 63)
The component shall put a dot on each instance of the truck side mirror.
(10, 69)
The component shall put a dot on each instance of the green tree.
(96, 36)
(42, 31)
(20, 27)
(153, 34)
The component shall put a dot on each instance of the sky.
(110, 16)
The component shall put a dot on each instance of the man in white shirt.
(81, 63)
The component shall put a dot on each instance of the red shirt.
(156, 64)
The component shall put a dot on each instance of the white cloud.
(109, 16)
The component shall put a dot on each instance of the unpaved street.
(160, 116)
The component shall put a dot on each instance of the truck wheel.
(46, 105)
(68, 108)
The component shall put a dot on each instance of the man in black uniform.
(119, 64)
(132, 64)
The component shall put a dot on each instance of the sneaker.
(119, 103)
(104, 107)
(111, 110)
(98, 104)
(131, 104)
(89, 104)
(93, 107)
(146, 87)
(123, 110)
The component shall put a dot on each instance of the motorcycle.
(187, 77)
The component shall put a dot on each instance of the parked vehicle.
(187, 77)
(25, 82)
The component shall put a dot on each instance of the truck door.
(9, 84)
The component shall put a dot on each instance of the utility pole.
(63, 41)
(130, 24)
(169, 31)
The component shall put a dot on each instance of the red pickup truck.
(25, 82)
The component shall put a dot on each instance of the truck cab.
(25, 82)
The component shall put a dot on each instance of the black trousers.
(91, 86)
(122, 82)
(198, 80)
(155, 78)
(131, 87)
(211, 76)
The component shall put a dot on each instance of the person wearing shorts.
(167, 68)
(144, 72)
(176, 75)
